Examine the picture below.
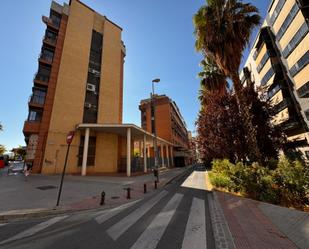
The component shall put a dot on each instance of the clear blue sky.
(159, 38)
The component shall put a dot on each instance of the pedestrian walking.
(27, 170)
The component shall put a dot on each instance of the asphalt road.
(176, 216)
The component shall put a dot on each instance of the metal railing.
(41, 77)
(37, 99)
(46, 57)
(50, 40)
(51, 21)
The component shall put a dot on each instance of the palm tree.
(222, 30)
(212, 80)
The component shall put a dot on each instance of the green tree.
(2, 149)
(20, 151)
(212, 80)
(222, 30)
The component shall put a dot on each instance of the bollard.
(145, 188)
(128, 193)
(156, 185)
(102, 198)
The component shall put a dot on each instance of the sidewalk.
(40, 191)
(256, 225)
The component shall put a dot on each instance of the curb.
(39, 213)
(31, 213)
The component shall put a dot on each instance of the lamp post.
(154, 132)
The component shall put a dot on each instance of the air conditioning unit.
(90, 87)
(97, 73)
(87, 105)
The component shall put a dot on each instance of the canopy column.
(128, 151)
(85, 152)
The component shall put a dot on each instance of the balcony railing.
(282, 105)
(50, 40)
(36, 99)
(51, 22)
(41, 77)
(303, 92)
(290, 124)
(46, 58)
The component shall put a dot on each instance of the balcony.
(45, 58)
(51, 22)
(49, 40)
(303, 92)
(282, 105)
(41, 79)
(290, 124)
(36, 100)
(31, 127)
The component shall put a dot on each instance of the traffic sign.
(70, 137)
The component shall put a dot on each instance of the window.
(303, 91)
(263, 62)
(56, 18)
(287, 21)
(273, 91)
(300, 34)
(38, 96)
(50, 36)
(276, 11)
(282, 105)
(43, 73)
(94, 69)
(91, 151)
(267, 76)
(300, 64)
(35, 115)
(47, 55)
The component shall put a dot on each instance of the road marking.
(123, 225)
(153, 233)
(196, 180)
(33, 230)
(195, 234)
(107, 214)
(3, 224)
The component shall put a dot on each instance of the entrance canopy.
(137, 133)
(131, 132)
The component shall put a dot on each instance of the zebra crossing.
(155, 213)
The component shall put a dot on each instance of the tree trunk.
(254, 153)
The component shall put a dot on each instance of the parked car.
(16, 167)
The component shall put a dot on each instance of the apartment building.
(170, 126)
(278, 62)
(79, 87)
(79, 80)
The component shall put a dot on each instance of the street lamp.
(154, 132)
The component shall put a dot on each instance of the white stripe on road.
(33, 230)
(195, 234)
(123, 225)
(107, 214)
(3, 224)
(152, 235)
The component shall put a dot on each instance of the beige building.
(79, 87)
(278, 62)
